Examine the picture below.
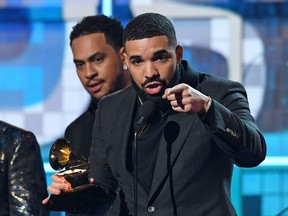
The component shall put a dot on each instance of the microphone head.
(149, 112)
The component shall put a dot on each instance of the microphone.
(149, 114)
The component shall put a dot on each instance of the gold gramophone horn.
(59, 154)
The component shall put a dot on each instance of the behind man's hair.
(111, 27)
(149, 25)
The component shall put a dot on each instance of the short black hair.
(149, 25)
(111, 27)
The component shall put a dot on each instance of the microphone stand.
(143, 126)
(135, 173)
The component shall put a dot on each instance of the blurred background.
(243, 40)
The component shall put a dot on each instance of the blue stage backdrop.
(244, 40)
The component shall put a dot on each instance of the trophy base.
(76, 177)
(78, 199)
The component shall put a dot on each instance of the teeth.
(153, 86)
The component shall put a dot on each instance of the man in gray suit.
(171, 139)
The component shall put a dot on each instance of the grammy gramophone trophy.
(76, 167)
(76, 173)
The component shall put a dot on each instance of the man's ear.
(122, 50)
(123, 57)
(179, 53)
(122, 53)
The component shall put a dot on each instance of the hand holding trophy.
(83, 195)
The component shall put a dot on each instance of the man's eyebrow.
(157, 53)
(160, 52)
(77, 61)
(135, 57)
(97, 54)
(91, 58)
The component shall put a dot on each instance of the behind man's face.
(98, 65)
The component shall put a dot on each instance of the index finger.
(175, 89)
(58, 179)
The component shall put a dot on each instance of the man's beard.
(157, 98)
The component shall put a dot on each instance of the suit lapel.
(125, 124)
(171, 143)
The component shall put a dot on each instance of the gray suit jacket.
(79, 133)
(199, 151)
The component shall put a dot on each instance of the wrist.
(207, 104)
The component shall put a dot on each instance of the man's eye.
(161, 58)
(78, 65)
(98, 59)
(136, 61)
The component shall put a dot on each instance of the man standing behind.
(96, 43)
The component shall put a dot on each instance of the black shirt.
(147, 150)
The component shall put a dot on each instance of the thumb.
(45, 201)
(166, 93)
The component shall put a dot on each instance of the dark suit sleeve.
(99, 166)
(26, 176)
(79, 134)
(232, 126)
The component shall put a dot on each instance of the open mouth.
(153, 87)
(95, 87)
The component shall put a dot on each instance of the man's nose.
(150, 70)
(90, 71)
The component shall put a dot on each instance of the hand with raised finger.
(184, 98)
